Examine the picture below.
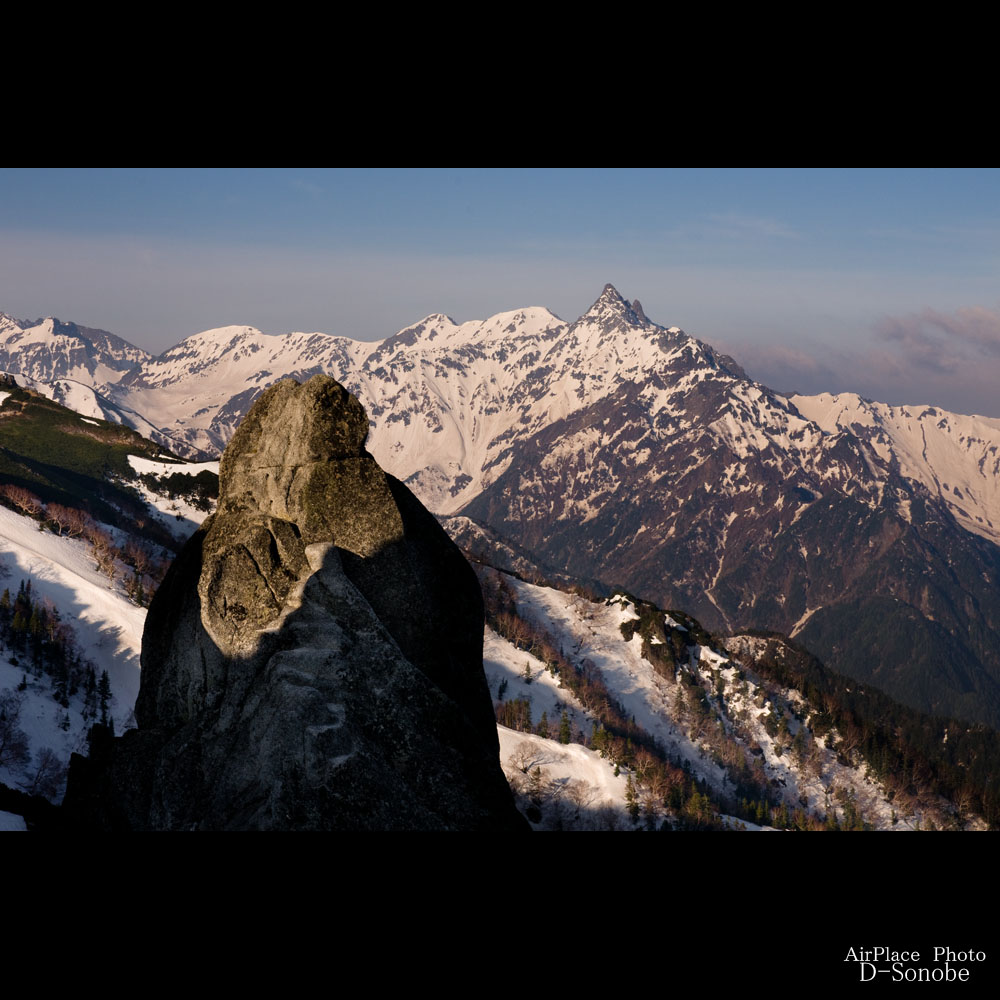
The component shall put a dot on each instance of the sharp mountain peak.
(612, 308)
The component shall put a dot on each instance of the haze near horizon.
(877, 282)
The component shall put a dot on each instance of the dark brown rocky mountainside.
(313, 659)
(700, 489)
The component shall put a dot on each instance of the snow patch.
(9, 822)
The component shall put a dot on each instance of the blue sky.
(886, 282)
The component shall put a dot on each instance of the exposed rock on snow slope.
(178, 514)
(313, 659)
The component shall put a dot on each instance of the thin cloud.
(975, 324)
(736, 224)
(941, 342)
(910, 364)
(781, 363)
(980, 235)
(309, 187)
(914, 346)
(951, 359)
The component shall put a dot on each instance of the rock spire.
(313, 659)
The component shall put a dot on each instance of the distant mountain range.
(615, 449)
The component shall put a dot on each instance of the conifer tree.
(543, 726)
(90, 696)
(564, 731)
(104, 692)
(782, 819)
(535, 792)
(631, 799)
(14, 746)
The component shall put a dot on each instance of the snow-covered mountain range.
(48, 349)
(712, 706)
(450, 402)
(954, 456)
(616, 449)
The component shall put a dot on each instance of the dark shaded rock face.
(313, 659)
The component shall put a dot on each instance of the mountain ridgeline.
(752, 722)
(626, 453)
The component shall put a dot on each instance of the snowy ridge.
(803, 770)
(457, 395)
(956, 457)
(463, 411)
(450, 403)
(613, 448)
(199, 390)
(85, 400)
(49, 349)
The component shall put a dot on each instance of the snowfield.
(590, 634)
(10, 822)
(107, 626)
(957, 457)
(581, 781)
(178, 516)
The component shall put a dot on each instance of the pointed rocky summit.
(313, 659)
(611, 310)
